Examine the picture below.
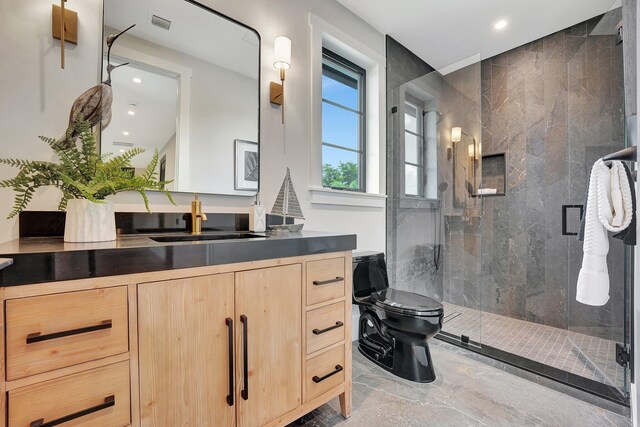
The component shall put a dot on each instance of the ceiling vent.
(159, 22)
(123, 144)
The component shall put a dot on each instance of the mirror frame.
(235, 21)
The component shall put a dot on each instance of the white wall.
(36, 97)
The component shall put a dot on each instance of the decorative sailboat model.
(287, 206)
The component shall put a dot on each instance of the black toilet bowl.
(398, 343)
(394, 325)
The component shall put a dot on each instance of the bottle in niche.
(257, 217)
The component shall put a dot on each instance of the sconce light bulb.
(282, 53)
(456, 134)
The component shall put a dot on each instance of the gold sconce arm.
(64, 27)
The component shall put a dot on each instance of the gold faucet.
(197, 217)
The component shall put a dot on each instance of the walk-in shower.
(486, 179)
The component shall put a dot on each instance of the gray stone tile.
(466, 393)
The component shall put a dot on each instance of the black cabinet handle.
(245, 370)
(231, 358)
(37, 337)
(317, 379)
(330, 328)
(109, 401)
(564, 218)
(326, 282)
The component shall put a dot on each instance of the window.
(413, 149)
(343, 123)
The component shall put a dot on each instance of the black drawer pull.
(317, 379)
(231, 373)
(109, 401)
(330, 328)
(36, 337)
(245, 357)
(326, 282)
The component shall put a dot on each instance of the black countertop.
(50, 259)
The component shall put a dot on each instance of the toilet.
(394, 325)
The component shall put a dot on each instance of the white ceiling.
(154, 122)
(446, 32)
(194, 31)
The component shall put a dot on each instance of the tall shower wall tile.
(554, 106)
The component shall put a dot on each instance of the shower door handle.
(565, 208)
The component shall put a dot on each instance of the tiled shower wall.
(554, 106)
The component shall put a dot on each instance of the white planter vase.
(89, 222)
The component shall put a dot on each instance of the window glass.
(343, 123)
(340, 127)
(413, 148)
(340, 168)
(411, 175)
(342, 91)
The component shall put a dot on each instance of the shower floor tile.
(584, 355)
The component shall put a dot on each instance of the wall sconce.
(64, 27)
(472, 151)
(282, 62)
(456, 134)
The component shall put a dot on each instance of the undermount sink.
(199, 237)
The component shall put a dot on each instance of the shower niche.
(494, 176)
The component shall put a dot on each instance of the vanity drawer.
(325, 326)
(325, 280)
(324, 372)
(98, 398)
(54, 331)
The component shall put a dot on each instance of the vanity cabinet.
(251, 344)
(184, 351)
(268, 343)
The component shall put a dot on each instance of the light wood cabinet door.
(268, 313)
(184, 352)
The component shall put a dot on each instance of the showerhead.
(442, 187)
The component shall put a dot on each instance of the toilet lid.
(406, 303)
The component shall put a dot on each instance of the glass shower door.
(433, 212)
(595, 108)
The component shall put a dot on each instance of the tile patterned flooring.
(466, 392)
(581, 354)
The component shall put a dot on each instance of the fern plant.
(82, 173)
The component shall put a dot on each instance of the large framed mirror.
(191, 91)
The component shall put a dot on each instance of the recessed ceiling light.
(500, 24)
(131, 113)
(137, 80)
(122, 151)
(125, 133)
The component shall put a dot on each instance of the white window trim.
(374, 63)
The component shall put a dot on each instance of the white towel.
(483, 191)
(609, 207)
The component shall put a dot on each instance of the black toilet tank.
(369, 274)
